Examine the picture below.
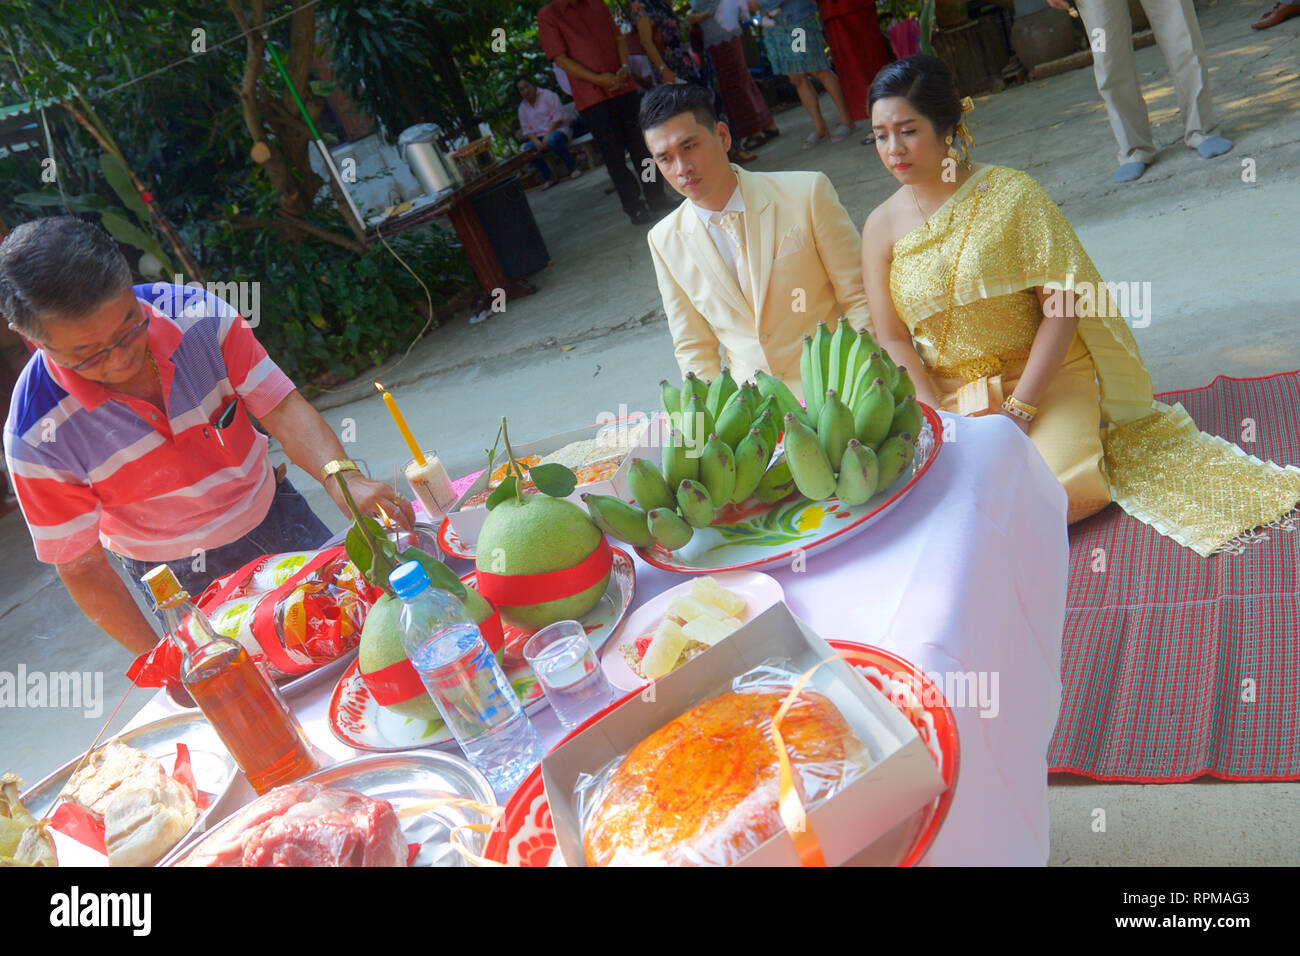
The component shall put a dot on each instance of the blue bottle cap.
(409, 580)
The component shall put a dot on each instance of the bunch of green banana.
(719, 446)
(859, 433)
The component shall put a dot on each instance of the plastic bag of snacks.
(703, 790)
(292, 612)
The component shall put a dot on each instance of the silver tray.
(214, 768)
(408, 779)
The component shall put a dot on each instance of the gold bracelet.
(1018, 409)
(1023, 406)
(334, 467)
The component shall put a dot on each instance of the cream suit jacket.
(805, 262)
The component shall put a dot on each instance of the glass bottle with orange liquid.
(242, 705)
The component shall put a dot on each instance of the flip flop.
(841, 132)
(812, 140)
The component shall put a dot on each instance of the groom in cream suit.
(751, 262)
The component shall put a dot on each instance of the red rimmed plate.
(450, 544)
(764, 536)
(524, 835)
(356, 720)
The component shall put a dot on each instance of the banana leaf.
(115, 172)
(121, 229)
(927, 25)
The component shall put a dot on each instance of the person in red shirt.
(858, 48)
(581, 38)
(129, 429)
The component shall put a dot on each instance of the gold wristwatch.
(334, 467)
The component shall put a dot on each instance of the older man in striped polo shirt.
(129, 429)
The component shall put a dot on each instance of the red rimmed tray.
(524, 836)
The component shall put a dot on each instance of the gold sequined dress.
(1098, 426)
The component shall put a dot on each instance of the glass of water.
(563, 660)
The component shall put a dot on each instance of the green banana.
(806, 365)
(648, 487)
(718, 470)
(892, 379)
(734, 422)
(809, 466)
(769, 402)
(834, 428)
(694, 503)
(750, 389)
(731, 400)
(863, 346)
(873, 367)
(777, 484)
(668, 529)
(670, 397)
(859, 474)
(873, 413)
(907, 418)
(814, 392)
(769, 426)
(894, 456)
(772, 387)
(678, 465)
(752, 456)
(697, 425)
(720, 389)
(692, 384)
(903, 387)
(841, 342)
(619, 519)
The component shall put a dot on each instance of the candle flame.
(378, 387)
(388, 521)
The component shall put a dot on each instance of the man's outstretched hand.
(371, 495)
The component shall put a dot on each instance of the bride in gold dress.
(980, 287)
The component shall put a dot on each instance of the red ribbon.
(394, 683)
(398, 682)
(514, 590)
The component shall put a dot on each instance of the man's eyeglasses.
(132, 335)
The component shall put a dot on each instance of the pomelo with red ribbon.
(387, 672)
(541, 560)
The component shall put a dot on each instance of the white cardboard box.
(870, 821)
(467, 522)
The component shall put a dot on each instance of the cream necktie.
(731, 225)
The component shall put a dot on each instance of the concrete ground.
(1216, 240)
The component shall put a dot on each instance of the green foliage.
(416, 61)
(927, 26)
(324, 309)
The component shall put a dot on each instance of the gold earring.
(952, 153)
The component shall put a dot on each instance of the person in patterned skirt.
(796, 46)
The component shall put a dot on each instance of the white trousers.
(1178, 35)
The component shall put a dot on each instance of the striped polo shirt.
(89, 464)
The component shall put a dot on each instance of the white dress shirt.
(726, 246)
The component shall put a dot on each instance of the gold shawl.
(1006, 237)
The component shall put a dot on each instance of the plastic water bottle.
(466, 682)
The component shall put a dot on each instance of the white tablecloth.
(965, 576)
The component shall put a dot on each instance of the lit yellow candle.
(402, 427)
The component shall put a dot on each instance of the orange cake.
(703, 789)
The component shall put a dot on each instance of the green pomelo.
(540, 535)
(381, 646)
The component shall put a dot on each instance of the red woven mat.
(1174, 665)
